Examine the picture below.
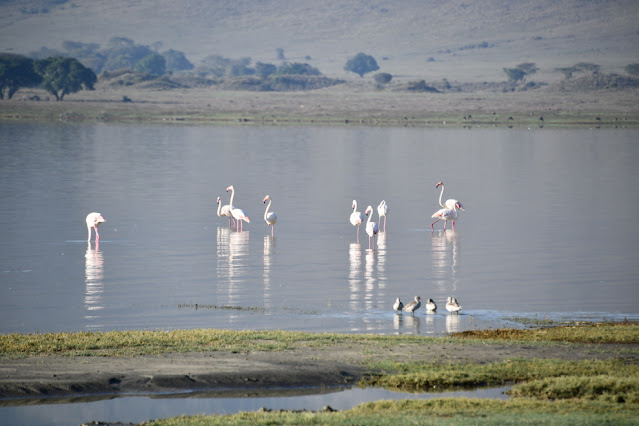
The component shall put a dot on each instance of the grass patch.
(446, 411)
(139, 342)
(131, 343)
(608, 332)
(605, 388)
(424, 376)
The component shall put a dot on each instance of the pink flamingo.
(93, 221)
(446, 214)
(450, 203)
(371, 227)
(224, 210)
(270, 217)
(382, 210)
(238, 214)
(356, 218)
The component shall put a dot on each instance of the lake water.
(549, 229)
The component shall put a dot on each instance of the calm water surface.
(549, 230)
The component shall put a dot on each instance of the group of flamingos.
(446, 213)
(237, 216)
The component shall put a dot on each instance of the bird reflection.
(453, 323)
(446, 259)
(354, 274)
(238, 262)
(268, 252)
(94, 283)
(381, 262)
(371, 278)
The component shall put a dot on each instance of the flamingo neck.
(267, 207)
(369, 218)
(354, 206)
(232, 195)
(441, 194)
(219, 207)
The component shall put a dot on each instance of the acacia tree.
(61, 76)
(16, 71)
(521, 71)
(361, 64)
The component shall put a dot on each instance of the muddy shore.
(25, 379)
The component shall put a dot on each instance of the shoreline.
(299, 364)
(541, 108)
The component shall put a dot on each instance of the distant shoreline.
(337, 106)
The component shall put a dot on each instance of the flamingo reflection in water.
(94, 282)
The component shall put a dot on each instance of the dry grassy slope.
(407, 32)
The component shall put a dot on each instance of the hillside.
(460, 40)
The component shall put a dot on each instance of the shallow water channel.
(63, 411)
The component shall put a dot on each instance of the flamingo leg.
(358, 235)
(97, 236)
(272, 231)
(431, 225)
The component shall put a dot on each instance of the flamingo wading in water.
(270, 217)
(224, 210)
(450, 203)
(356, 218)
(94, 220)
(382, 210)
(371, 227)
(238, 214)
(446, 214)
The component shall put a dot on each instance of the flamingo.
(238, 214)
(450, 203)
(224, 210)
(382, 210)
(270, 217)
(431, 306)
(371, 227)
(398, 305)
(446, 214)
(452, 305)
(414, 305)
(356, 218)
(93, 221)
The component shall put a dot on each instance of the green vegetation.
(585, 333)
(61, 76)
(439, 411)
(521, 71)
(129, 343)
(632, 69)
(421, 377)
(361, 64)
(383, 78)
(15, 72)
